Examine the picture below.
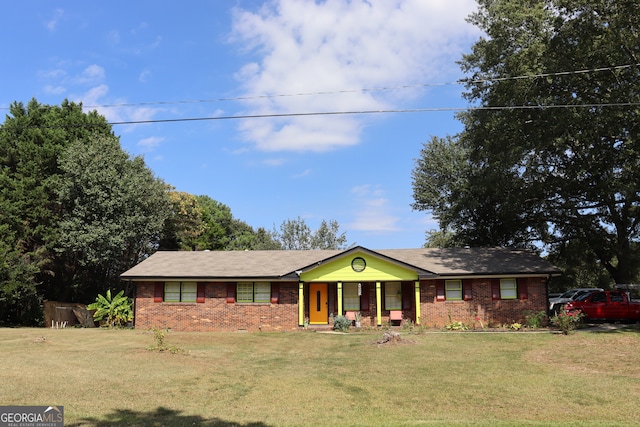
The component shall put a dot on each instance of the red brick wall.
(481, 307)
(215, 314)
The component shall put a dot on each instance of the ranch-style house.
(288, 290)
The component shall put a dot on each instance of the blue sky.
(165, 60)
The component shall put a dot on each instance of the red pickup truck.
(606, 305)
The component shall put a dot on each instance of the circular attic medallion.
(358, 264)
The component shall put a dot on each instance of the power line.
(411, 110)
(361, 90)
(373, 89)
(355, 112)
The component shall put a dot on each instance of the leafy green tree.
(185, 223)
(114, 210)
(294, 234)
(552, 145)
(224, 232)
(217, 220)
(297, 235)
(328, 236)
(32, 138)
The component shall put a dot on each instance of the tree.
(296, 235)
(31, 139)
(185, 223)
(328, 236)
(224, 232)
(552, 147)
(114, 210)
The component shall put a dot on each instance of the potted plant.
(358, 318)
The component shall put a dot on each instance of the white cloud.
(274, 162)
(150, 143)
(113, 37)
(339, 46)
(144, 76)
(302, 174)
(374, 211)
(88, 85)
(54, 90)
(53, 22)
(91, 74)
(93, 95)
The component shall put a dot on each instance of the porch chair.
(395, 316)
(351, 315)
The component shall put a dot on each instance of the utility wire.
(412, 110)
(374, 89)
(362, 90)
(357, 112)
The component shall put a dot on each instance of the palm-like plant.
(116, 311)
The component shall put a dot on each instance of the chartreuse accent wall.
(345, 269)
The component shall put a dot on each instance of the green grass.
(109, 378)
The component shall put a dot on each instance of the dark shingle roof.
(278, 264)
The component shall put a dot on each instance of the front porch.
(377, 303)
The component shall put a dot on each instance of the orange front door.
(318, 304)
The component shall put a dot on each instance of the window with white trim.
(508, 289)
(393, 296)
(350, 296)
(180, 291)
(253, 292)
(453, 290)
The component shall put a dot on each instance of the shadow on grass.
(161, 417)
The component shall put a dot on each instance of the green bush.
(341, 323)
(536, 320)
(567, 321)
(456, 326)
(116, 311)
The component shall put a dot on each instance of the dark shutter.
(440, 294)
(467, 289)
(523, 289)
(407, 293)
(231, 293)
(364, 298)
(158, 292)
(495, 289)
(201, 288)
(275, 293)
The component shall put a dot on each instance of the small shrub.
(456, 326)
(536, 320)
(341, 323)
(515, 326)
(407, 325)
(159, 337)
(567, 321)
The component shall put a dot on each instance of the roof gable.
(372, 267)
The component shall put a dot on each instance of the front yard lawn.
(109, 378)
